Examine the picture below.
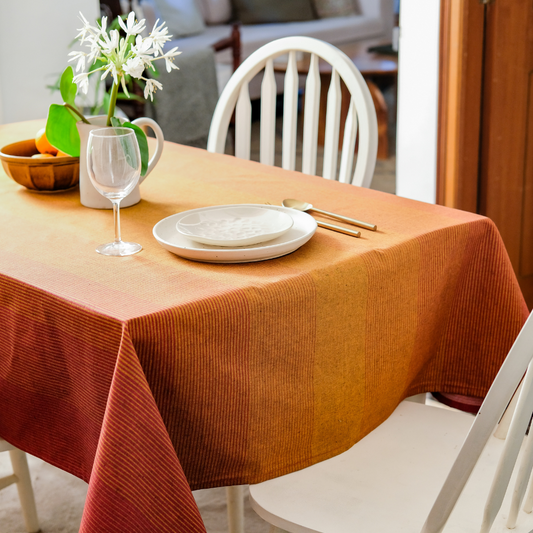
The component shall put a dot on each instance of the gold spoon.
(340, 229)
(304, 206)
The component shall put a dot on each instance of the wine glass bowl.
(114, 167)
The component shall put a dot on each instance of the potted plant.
(109, 54)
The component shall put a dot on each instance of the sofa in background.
(198, 24)
(183, 109)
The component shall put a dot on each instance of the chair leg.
(235, 498)
(25, 490)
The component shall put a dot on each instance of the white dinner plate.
(233, 226)
(303, 228)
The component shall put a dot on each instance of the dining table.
(153, 375)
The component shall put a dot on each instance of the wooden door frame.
(485, 130)
(460, 103)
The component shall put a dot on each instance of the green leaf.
(141, 140)
(67, 87)
(61, 130)
(143, 145)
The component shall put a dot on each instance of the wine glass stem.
(116, 219)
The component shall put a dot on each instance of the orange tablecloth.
(247, 371)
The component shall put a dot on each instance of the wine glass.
(114, 165)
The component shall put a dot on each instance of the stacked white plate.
(238, 233)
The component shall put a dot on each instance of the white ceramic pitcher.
(89, 196)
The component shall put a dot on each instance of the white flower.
(169, 57)
(94, 53)
(82, 81)
(158, 37)
(87, 28)
(124, 88)
(150, 88)
(108, 43)
(134, 66)
(103, 25)
(130, 27)
(142, 48)
(80, 57)
(119, 56)
(110, 67)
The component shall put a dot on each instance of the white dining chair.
(361, 121)
(21, 476)
(361, 124)
(416, 472)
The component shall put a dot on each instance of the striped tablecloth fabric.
(150, 374)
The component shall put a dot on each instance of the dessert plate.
(303, 228)
(233, 226)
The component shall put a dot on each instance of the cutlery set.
(304, 206)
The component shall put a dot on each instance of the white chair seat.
(425, 469)
(357, 491)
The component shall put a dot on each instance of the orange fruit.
(41, 156)
(42, 144)
(61, 154)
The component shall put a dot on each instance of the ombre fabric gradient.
(151, 375)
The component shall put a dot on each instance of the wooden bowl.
(46, 175)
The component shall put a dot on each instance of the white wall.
(418, 70)
(34, 40)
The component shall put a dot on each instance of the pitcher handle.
(145, 121)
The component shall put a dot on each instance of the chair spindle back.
(361, 117)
